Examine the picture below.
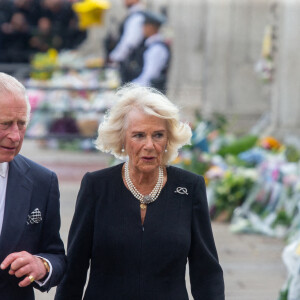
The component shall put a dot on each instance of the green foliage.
(282, 219)
(43, 64)
(196, 162)
(69, 145)
(239, 145)
(216, 122)
(284, 292)
(230, 192)
(283, 295)
(292, 153)
(220, 122)
(233, 160)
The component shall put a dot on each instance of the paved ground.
(252, 264)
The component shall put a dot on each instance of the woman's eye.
(158, 135)
(138, 135)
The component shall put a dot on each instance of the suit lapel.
(17, 203)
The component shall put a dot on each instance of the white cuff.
(41, 283)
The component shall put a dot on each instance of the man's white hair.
(11, 85)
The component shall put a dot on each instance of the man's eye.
(21, 125)
(4, 125)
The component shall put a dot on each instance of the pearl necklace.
(147, 199)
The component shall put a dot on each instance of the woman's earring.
(123, 150)
(166, 150)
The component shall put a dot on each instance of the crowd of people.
(140, 51)
(30, 26)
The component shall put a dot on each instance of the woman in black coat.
(136, 224)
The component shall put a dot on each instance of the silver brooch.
(181, 190)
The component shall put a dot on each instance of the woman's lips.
(148, 157)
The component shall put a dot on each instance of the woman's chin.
(148, 167)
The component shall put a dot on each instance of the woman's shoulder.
(109, 173)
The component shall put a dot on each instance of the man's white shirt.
(4, 167)
(3, 185)
(132, 34)
(155, 59)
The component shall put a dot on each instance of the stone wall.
(234, 34)
(286, 88)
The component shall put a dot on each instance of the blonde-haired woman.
(136, 224)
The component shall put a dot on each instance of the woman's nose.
(149, 143)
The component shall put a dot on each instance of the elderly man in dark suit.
(31, 250)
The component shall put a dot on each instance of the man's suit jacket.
(131, 261)
(30, 186)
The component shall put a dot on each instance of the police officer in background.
(131, 33)
(148, 64)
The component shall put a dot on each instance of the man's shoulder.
(160, 43)
(137, 8)
(25, 163)
(135, 16)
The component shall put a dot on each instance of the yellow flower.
(206, 180)
(90, 12)
(52, 53)
(270, 142)
(187, 161)
(267, 42)
(177, 160)
(227, 174)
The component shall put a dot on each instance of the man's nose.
(14, 133)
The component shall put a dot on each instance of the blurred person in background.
(30, 9)
(64, 22)
(17, 20)
(31, 251)
(43, 38)
(6, 10)
(15, 36)
(137, 224)
(28, 26)
(148, 64)
(130, 33)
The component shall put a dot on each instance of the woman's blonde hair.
(111, 132)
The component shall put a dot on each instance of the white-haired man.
(31, 250)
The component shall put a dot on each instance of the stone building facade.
(216, 46)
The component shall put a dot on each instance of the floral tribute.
(253, 182)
